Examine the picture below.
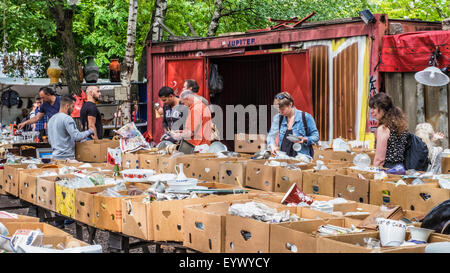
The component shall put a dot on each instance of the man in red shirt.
(197, 129)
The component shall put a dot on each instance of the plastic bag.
(362, 161)
(339, 145)
(397, 169)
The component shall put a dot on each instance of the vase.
(114, 71)
(54, 71)
(80, 71)
(91, 70)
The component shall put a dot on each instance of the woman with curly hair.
(392, 132)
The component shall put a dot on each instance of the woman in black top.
(392, 132)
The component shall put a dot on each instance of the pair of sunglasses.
(282, 96)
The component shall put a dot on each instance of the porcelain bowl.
(420, 234)
(182, 185)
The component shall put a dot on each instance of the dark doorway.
(248, 80)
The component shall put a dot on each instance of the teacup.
(392, 232)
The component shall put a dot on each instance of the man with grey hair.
(197, 129)
(90, 116)
(192, 85)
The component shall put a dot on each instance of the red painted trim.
(267, 38)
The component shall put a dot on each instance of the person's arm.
(272, 135)
(380, 151)
(33, 120)
(71, 128)
(91, 126)
(313, 137)
(165, 124)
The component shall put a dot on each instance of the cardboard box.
(284, 178)
(84, 203)
(20, 218)
(249, 143)
(299, 237)
(45, 192)
(168, 215)
(230, 172)
(260, 176)
(260, 232)
(342, 156)
(319, 182)
(108, 210)
(45, 228)
(166, 164)
(12, 177)
(445, 165)
(140, 160)
(387, 193)
(2, 179)
(424, 199)
(204, 226)
(149, 161)
(208, 169)
(135, 220)
(94, 150)
(351, 188)
(27, 184)
(348, 244)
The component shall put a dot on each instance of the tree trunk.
(129, 59)
(154, 34)
(64, 26)
(159, 15)
(214, 25)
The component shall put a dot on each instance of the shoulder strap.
(279, 123)
(305, 125)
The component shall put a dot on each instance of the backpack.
(416, 154)
(305, 126)
(438, 219)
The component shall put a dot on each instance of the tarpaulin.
(410, 52)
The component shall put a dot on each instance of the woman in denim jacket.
(291, 124)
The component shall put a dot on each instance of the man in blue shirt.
(49, 108)
(41, 125)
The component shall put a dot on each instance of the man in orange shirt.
(197, 129)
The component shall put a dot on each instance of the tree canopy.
(100, 26)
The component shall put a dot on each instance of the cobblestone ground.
(101, 236)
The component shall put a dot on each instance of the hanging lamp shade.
(432, 76)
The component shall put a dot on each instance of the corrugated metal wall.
(345, 92)
(320, 88)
